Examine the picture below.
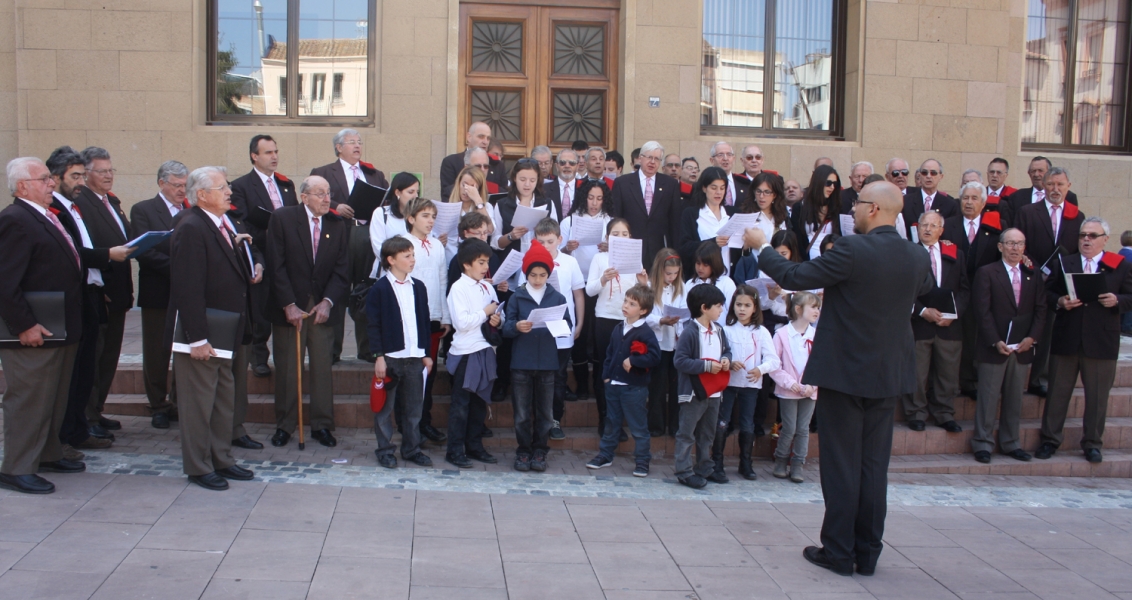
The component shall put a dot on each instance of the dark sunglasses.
(899, 173)
(568, 163)
(1090, 236)
(926, 172)
(830, 183)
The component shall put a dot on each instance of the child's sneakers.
(641, 470)
(522, 463)
(694, 481)
(538, 462)
(599, 462)
(556, 432)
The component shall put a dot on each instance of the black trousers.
(856, 444)
(664, 405)
(75, 427)
(582, 352)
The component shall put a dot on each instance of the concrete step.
(1068, 462)
(1119, 405)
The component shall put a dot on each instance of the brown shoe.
(93, 443)
(70, 453)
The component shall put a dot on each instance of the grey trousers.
(1004, 383)
(155, 361)
(794, 436)
(1097, 375)
(108, 351)
(938, 360)
(407, 387)
(207, 392)
(315, 343)
(698, 419)
(39, 382)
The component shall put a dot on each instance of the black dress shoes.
(247, 442)
(236, 472)
(420, 459)
(27, 484)
(325, 438)
(98, 431)
(1019, 454)
(818, 557)
(982, 456)
(1037, 390)
(280, 438)
(1093, 455)
(261, 371)
(209, 481)
(458, 460)
(916, 425)
(160, 421)
(109, 424)
(488, 432)
(62, 466)
(389, 461)
(1045, 451)
(483, 456)
(432, 434)
(694, 481)
(952, 427)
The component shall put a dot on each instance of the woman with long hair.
(706, 216)
(525, 190)
(471, 192)
(819, 212)
(389, 219)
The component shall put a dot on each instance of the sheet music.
(673, 311)
(539, 317)
(735, 226)
(587, 232)
(847, 225)
(625, 255)
(528, 217)
(447, 219)
(762, 285)
(512, 263)
(558, 328)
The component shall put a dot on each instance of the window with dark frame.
(798, 93)
(249, 46)
(1077, 77)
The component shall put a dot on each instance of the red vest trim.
(948, 249)
(685, 187)
(1112, 260)
(282, 177)
(492, 187)
(992, 220)
(1069, 211)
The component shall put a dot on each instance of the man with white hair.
(896, 173)
(545, 160)
(650, 202)
(212, 273)
(478, 136)
(39, 256)
(562, 188)
(723, 156)
(857, 174)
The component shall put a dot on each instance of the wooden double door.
(539, 75)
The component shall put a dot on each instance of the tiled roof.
(320, 48)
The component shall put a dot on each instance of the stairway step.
(1066, 463)
(1119, 405)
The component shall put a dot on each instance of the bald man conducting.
(863, 359)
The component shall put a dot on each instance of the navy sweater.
(535, 350)
(620, 348)
(386, 329)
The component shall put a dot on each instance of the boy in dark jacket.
(702, 348)
(633, 350)
(534, 360)
(399, 330)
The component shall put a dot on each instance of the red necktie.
(70, 242)
(427, 246)
(809, 346)
(315, 235)
(75, 208)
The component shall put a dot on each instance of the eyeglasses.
(352, 143)
(764, 192)
(926, 173)
(651, 158)
(317, 194)
(672, 165)
(219, 187)
(102, 172)
(567, 163)
(43, 179)
(831, 183)
(863, 202)
(899, 173)
(1090, 236)
(1014, 244)
(754, 157)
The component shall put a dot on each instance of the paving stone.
(796, 576)
(11, 552)
(272, 555)
(166, 574)
(960, 571)
(611, 524)
(1050, 584)
(1097, 566)
(68, 548)
(702, 545)
(423, 592)
(539, 542)
(294, 508)
(132, 500)
(895, 584)
(635, 566)
(727, 583)
(541, 581)
(43, 585)
(360, 577)
(448, 562)
(370, 535)
(254, 589)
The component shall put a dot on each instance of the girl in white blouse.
(525, 190)
(388, 221)
(700, 222)
(667, 282)
(709, 270)
(595, 208)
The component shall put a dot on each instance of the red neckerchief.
(708, 332)
(616, 278)
(184, 206)
(809, 346)
(755, 343)
(426, 245)
(399, 282)
(483, 287)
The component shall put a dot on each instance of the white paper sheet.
(558, 328)
(625, 255)
(847, 225)
(900, 228)
(447, 219)
(528, 217)
(186, 349)
(539, 317)
(673, 311)
(512, 263)
(762, 285)
(735, 226)
(587, 232)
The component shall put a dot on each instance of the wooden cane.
(299, 375)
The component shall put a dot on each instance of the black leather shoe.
(498, 395)
(209, 481)
(952, 427)
(261, 371)
(236, 472)
(1093, 455)
(817, 556)
(160, 421)
(488, 432)
(1037, 390)
(388, 461)
(458, 460)
(335, 359)
(1045, 451)
(982, 456)
(62, 466)
(916, 425)
(109, 424)
(866, 571)
(98, 431)
(27, 484)
(432, 434)
(280, 438)
(420, 459)
(570, 396)
(483, 456)
(325, 438)
(247, 442)
(1019, 454)
(693, 481)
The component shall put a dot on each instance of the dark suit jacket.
(37, 258)
(452, 164)
(153, 265)
(985, 248)
(1010, 205)
(1092, 329)
(914, 206)
(863, 345)
(992, 298)
(955, 281)
(659, 228)
(210, 274)
(1034, 222)
(553, 194)
(249, 192)
(336, 176)
(94, 305)
(105, 233)
(297, 277)
(742, 188)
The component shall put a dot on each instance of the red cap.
(537, 255)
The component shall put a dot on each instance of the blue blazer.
(386, 333)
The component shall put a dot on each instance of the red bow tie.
(809, 346)
(427, 246)
(483, 287)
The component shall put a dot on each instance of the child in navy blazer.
(633, 351)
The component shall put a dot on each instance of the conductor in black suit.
(863, 359)
(307, 269)
(478, 136)
(156, 214)
(212, 272)
(650, 202)
(262, 189)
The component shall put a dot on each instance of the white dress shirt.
(966, 224)
(643, 178)
(406, 303)
(709, 345)
(751, 346)
(432, 270)
(173, 209)
(93, 276)
(625, 327)
(349, 170)
(1037, 195)
(798, 347)
(466, 302)
(706, 227)
(583, 254)
(382, 227)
